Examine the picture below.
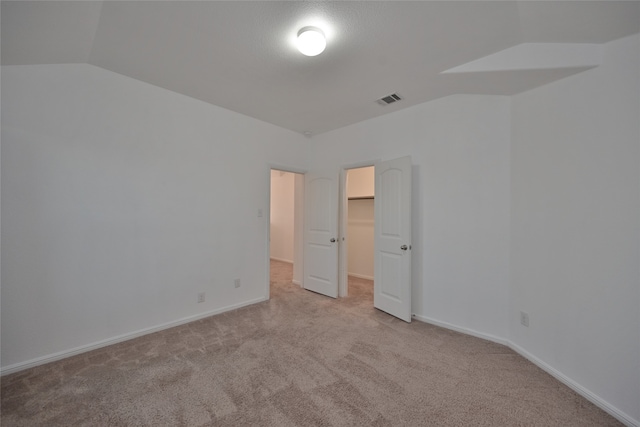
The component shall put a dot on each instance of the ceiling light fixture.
(311, 41)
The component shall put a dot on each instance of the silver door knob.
(332, 240)
(404, 247)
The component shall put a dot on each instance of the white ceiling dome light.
(311, 41)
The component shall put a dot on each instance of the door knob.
(332, 240)
(404, 247)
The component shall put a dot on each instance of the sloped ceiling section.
(241, 55)
(536, 56)
(48, 32)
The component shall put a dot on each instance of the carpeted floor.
(300, 359)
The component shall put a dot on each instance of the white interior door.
(392, 266)
(321, 233)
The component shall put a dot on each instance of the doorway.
(285, 227)
(392, 235)
(358, 228)
(321, 256)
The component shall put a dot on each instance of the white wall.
(282, 215)
(460, 151)
(120, 202)
(576, 226)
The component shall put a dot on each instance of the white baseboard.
(282, 260)
(360, 276)
(584, 392)
(120, 338)
(593, 398)
(297, 282)
(467, 331)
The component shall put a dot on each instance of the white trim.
(282, 260)
(581, 390)
(297, 282)
(358, 165)
(282, 168)
(343, 235)
(360, 276)
(466, 331)
(120, 338)
(267, 232)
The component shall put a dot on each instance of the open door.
(392, 265)
(321, 233)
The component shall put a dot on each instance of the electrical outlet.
(201, 297)
(524, 319)
(236, 283)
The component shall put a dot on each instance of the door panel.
(392, 267)
(321, 227)
(390, 275)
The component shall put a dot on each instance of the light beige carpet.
(300, 359)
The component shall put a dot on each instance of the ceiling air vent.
(389, 99)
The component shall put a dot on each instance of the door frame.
(343, 218)
(267, 216)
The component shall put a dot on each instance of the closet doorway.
(358, 225)
(285, 226)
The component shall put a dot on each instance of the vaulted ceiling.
(241, 55)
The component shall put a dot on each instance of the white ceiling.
(240, 55)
